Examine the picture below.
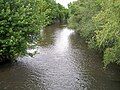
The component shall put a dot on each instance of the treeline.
(21, 22)
(98, 21)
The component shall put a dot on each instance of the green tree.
(98, 22)
(20, 24)
(107, 23)
(81, 13)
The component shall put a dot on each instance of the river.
(63, 62)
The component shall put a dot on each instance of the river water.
(63, 62)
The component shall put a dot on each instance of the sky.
(64, 2)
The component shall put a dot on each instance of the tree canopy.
(98, 21)
(21, 22)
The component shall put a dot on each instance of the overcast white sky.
(64, 2)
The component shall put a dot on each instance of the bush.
(107, 23)
(20, 24)
(81, 13)
(98, 22)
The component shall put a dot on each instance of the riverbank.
(98, 22)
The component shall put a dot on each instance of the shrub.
(20, 24)
(98, 22)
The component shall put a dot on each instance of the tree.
(20, 24)
(98, 22)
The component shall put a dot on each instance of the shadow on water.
(63, 62)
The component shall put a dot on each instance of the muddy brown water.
(63, 62)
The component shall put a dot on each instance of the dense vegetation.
(98, 21)
(21, 22)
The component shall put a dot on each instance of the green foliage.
(81, 13)
(107, 23)
(20, 24)
(98, 21)
(61, 13)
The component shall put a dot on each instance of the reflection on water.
(63, 62)
(62, 40)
